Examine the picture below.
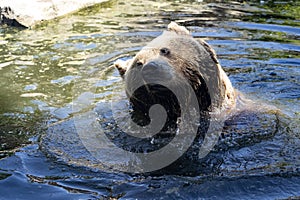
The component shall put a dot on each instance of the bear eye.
(139, 64)
(164, 51)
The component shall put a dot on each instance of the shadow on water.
(44, 71)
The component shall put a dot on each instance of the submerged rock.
(30, 12)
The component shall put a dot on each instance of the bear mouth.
(150, 94)
(141, 102)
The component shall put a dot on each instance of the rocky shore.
(27, 13)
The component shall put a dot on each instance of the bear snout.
(150, 68)
(154, 71)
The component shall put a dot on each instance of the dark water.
(44, 69)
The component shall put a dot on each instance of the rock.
(27, 13)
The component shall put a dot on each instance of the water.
(44, 69)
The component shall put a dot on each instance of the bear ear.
(122, 66)
(180, 30)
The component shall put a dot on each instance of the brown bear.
(182, 75)
(172, 71)
(172, 58)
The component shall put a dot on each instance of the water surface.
(44, 69)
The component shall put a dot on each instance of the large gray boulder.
(26, 13)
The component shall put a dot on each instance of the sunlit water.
(44, 69)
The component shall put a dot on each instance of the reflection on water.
(257, 44)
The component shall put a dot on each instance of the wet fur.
(189, 59)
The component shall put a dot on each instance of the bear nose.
(150, 69)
